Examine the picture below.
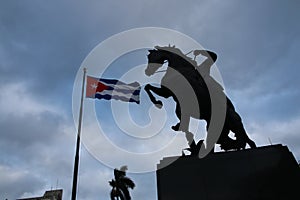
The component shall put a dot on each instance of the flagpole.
(76, 162)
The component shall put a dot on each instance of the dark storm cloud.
(251, 38)
(26, 130)
(42, 44)
(257, 44)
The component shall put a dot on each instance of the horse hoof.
(225, 147)
(251, 144)
(159, 104)
(241, 145)
(176, 127)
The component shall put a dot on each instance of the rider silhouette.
(205, 66)
(204, 70)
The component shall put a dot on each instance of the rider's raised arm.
(209, 54)
(212, 55)
(205, 66)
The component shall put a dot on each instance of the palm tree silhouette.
(120, 185)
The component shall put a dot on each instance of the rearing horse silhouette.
(181, 71)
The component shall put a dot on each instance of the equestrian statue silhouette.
(193, 90)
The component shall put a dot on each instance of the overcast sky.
(42, 46)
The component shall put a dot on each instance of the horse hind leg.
(178, 114)
(242, 138)
(225, 142)
(237, 127)
(251, 143)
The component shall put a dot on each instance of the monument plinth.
(269, 172)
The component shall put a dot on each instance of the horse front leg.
(159, 91)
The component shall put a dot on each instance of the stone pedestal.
(269, 172)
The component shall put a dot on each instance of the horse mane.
(177, 52)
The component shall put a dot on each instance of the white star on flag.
(94, 86)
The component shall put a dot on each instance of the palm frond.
(119, 173)
(128, 182)
(124, 168)
(112, 183)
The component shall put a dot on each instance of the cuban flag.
(112, 89)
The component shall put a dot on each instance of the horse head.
(155, 61)
(174, 56)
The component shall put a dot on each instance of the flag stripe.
(112, 89)
(125, 91)
(109, 97)
(117, 95)
(117, 82)
(122, 86)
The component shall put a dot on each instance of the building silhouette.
(49, 195)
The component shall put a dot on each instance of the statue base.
(269, 172)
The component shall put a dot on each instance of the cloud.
(33, 135)
(23, 115)
(283, 132)
(42, 44)
(12, 177)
